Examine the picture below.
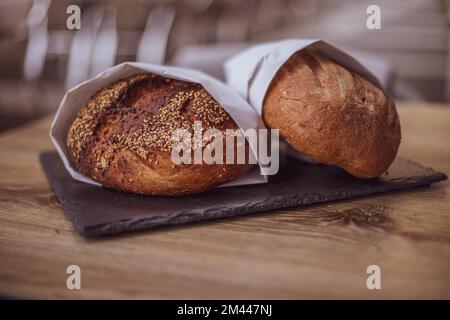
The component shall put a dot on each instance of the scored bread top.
(332, 115)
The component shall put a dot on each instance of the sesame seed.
(146, 132)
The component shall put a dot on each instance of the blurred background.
(40, 58)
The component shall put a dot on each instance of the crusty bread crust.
(332, 115)
(122, 136)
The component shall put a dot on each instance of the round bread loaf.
(332, 115)
(122, 137)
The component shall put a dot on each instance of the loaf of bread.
(333, 115)
(122, 137)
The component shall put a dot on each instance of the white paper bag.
(241, 112)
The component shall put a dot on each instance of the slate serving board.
(98, 211)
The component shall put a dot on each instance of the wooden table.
(310, 252)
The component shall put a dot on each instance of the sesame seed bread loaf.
(332, 115)
(122, 136)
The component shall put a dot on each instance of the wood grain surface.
(311, 252)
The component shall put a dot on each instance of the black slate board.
(98, 211)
